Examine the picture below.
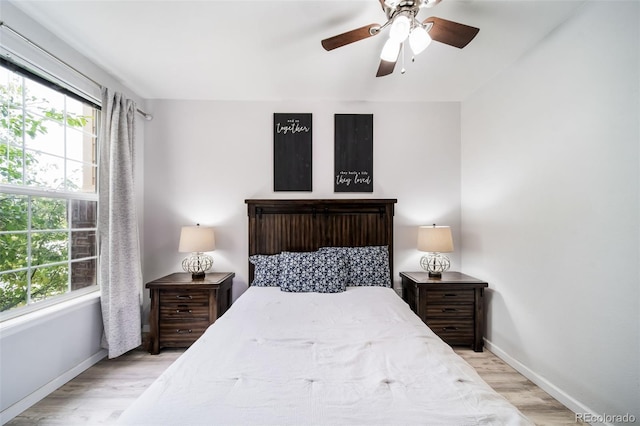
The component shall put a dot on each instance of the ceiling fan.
(403, 25)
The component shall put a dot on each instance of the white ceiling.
(270, 50)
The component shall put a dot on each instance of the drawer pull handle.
(450, 295)
(449, 310)
(183, 331)
(180, 311)
(183, 296)
(449, 328)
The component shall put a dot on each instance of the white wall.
(41, 351)
(550, 217)
(203, 159)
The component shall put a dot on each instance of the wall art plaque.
(292, 152)
(353, 153)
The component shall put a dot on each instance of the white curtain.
(120, 270)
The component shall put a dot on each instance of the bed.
(291, 355)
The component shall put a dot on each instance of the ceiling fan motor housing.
(393, 7)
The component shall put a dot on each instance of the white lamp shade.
(196, 239)
(435, 239)
(390, 51)
(400, 28)
(419, 39)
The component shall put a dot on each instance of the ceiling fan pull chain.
(403, 70)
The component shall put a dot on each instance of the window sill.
(31, 319)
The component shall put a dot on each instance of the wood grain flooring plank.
(540, 407)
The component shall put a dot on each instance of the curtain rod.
(146, 115)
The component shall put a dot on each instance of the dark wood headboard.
(306, 225)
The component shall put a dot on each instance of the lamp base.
(198, 264)
(435, 264)
(197, 276)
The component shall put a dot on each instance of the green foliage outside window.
(34, 230)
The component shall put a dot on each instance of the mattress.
(359, 357)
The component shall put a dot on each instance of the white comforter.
(358, 357)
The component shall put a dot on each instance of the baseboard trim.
(32, 399)
(544, 384)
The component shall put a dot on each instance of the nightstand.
(453, 306)
(182, 308)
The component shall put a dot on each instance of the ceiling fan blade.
(385, 68)
(349, 37)
(451, 33)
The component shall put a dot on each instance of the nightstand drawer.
(450, 296)
(184, 311)
(181, 334)
(451, 331)
(183, 327)
(464, 312)
(181, 297)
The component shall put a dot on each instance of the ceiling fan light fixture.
(402, 23)
(390, 50)
(400, 28)
(419, 39)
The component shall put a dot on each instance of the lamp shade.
(400, 28)
(419, 39)
(435, 239)
(390, 51)
(196, 239)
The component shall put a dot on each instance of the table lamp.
(196, 240)
(435, 240)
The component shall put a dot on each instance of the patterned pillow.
(266, 270)
(367, 266)
(312, 272)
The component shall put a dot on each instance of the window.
(48, 193)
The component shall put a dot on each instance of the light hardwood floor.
(540, 407)
(100, 394)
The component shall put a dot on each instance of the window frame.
(68, 196)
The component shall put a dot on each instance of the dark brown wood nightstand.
(182, 309)
(453, 306)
